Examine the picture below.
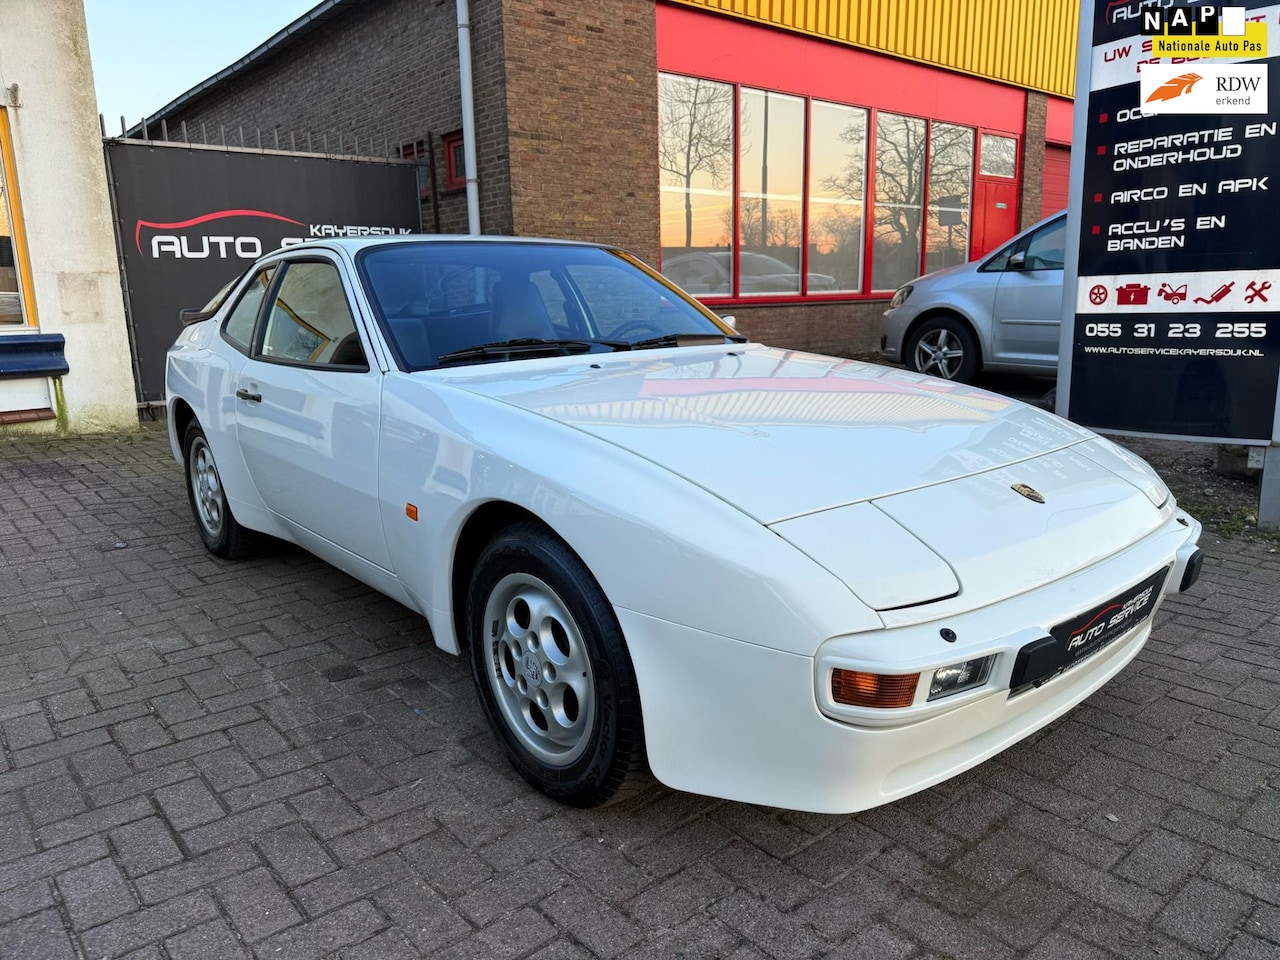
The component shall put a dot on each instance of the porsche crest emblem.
(1031, 493)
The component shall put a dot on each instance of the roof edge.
(319, 14)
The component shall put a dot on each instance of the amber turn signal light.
(858, 689)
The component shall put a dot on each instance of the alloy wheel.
(940, 353)
(207, 487)
(539, 669)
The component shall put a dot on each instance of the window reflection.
(900, 148)
(837, 196)
(771, 181)
(790, 229)
(999, 156)
(695, 156)
(10, 299)
(950, 195)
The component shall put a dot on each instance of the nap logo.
(1207, 88)
(1200, 20)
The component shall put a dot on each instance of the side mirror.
(731, 320)
(1018, 261)
(192, 315)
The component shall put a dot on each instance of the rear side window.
(310, 321)
(238, 328)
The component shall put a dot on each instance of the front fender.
(657, 544)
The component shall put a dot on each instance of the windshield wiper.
(527, 345)
(686, 340)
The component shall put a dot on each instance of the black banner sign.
(192, 219)
(1176, 330)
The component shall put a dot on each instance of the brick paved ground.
(207, 760)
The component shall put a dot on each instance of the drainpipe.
(468, 117)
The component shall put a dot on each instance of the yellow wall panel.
(1029, 43)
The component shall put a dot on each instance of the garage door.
(1057, 174)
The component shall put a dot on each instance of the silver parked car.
(1001, 312)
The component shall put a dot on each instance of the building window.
(950, 196)
(899, 237)
(837, 197)
(10, 291)
(999, 156)
(455, 161)
(695, 159)
(770, 188)
(768, 194)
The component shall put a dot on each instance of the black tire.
(224, 537)
(949, 333)
(602, 759)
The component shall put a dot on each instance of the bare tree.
(749, 230)
(784, 227)
(696, 136)
(950, 194)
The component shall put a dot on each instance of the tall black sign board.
(1178, 280)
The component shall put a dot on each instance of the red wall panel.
(1057, 178)
(1061, 113)
(723, 48)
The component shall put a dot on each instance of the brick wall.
(582, 104)
(1033, 140)
(385, 72)
(845, 329)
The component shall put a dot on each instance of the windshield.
(439, 299)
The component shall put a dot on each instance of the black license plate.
(1084, 635)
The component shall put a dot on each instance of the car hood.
(778, 434)
(945, 272)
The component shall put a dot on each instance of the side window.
(238, 327)
(310, 321)
(1000, 262)
(1047, 249)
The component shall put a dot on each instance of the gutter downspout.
(468, 117)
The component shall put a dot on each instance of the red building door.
(995, 213)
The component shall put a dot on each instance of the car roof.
(355, 244)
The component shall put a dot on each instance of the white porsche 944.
(764, 575)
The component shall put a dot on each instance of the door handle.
(251, 397)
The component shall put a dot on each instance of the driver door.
(308, 404)
(1028, 304)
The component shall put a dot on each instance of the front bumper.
(749, 723)
(893, 330)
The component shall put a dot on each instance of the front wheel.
(218, 527)
(552, 670)
(944, 347)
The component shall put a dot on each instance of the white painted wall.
(44, 48)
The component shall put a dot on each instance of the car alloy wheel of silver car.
(939, 353)
(541, 672)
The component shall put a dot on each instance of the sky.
(147, 52)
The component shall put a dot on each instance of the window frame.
(260, 328)
(240, 292)
(11, 196)
(866, 292)
(1024, 247)
(454, 178)
(1017, 245)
